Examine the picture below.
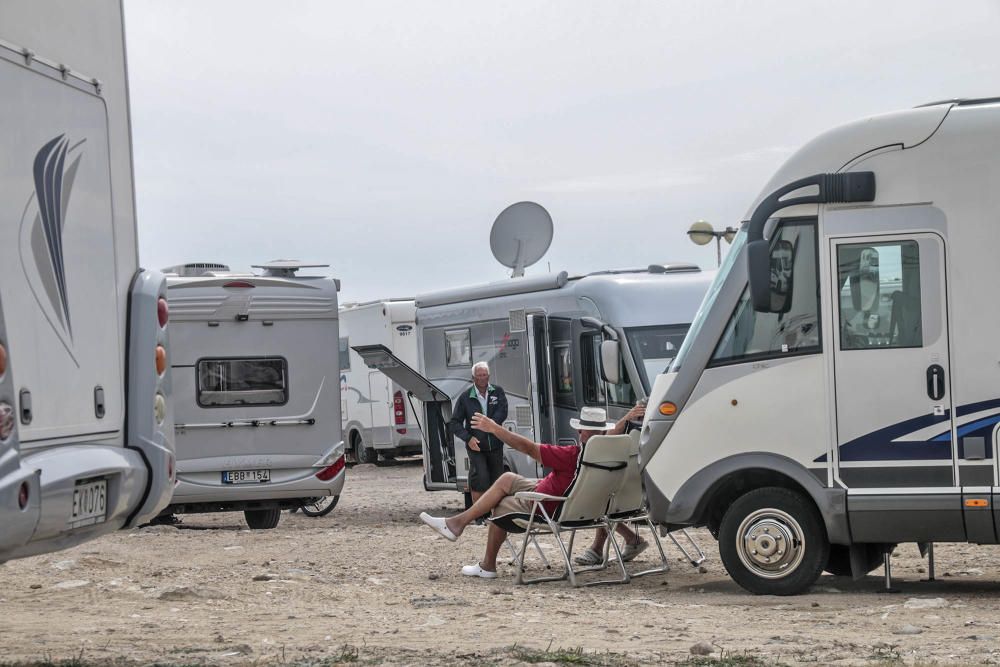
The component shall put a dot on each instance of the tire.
(362, 454)
(320, 506)
(752, 536)
(839, 562)
(262, 519)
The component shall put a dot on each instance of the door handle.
(935, 382)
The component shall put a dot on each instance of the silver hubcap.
(770, 543)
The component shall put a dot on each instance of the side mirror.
(865, 287)
(770, 275)
(611, 361)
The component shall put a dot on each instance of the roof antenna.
(521, 235)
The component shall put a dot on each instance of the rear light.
(23, 494)
(162, 312)
(328, 473)
(3, 360)
(7, 420)
(399, 410)
(239, 283)
(161, 359)
(159, 408)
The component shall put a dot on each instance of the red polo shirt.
(562, 459)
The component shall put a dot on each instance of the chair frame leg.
(695, 562)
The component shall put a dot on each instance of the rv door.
(439, 454)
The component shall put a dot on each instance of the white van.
(255, 382)
(86, 426)
(379, 418)
(839, 391)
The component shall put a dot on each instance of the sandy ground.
(370, 583)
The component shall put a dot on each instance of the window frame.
(198, 389)
(563, 397)
(590, 366)
(447, 347)
(771, 355)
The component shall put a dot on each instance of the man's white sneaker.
(439, 525)
(477, 571)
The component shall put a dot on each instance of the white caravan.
(838, 391)
(86, 430)
(378, 417)
(255, 386)
(542, 338)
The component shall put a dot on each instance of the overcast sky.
(383, 138)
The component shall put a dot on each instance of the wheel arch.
(705, 496)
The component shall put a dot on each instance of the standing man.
(485, 450)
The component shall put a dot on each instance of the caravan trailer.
(86, 427)
(255, 381)
(542, 337)
(379, 419)
(839, 391)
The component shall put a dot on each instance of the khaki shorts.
(512, 505)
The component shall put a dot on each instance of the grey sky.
(384, 137)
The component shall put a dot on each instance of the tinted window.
(458, 348)
(590, 357)
(231, 382)
(562, 368)
(879, 295)
(345, 355)
(654, 349)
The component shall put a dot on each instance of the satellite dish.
(521, 235)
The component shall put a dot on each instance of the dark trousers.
(484, 468)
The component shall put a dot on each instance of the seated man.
(499, 498)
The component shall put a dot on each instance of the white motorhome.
(542, 338)
(379, 419)
(255, 386)
(838, 390)
(86, 426)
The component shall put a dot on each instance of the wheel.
(320, 506)
(839, 562)
(772, 542)
(262, 519)
(362, 454)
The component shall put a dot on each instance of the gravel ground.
(369, 583)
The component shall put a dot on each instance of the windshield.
(654, 348)
(710, 297)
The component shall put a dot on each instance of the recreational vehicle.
(86, 430)
(258, 418)
(838, 390)
(379, 418)
(543, 338)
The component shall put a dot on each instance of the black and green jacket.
(467, 404)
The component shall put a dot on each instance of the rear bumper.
(207, 487)
(56, 472)
(18, 524)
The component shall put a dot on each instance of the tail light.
(3, 360)
(329, 472)
(23, 494)
(161, 359)
(7, 421)
(162, 312)
(399, 410)
(241, 284)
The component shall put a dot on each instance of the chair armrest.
(534, 495)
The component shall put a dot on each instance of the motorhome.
(379, 419)
(837, 393)
(255, 386)
(543, 338)
(86, 426)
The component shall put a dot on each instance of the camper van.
(86, 430)
(544, 339)
(255, 386)
(838, 391)
(379, 419)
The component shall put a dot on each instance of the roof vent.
(195, 269)
(285, 268)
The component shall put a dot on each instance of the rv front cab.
(769, 266)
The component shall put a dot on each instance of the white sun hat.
(592, 419)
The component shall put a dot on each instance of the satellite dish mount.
(521, 235)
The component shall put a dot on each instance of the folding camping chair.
(585, 505)
(628, 505)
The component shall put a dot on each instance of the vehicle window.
(654, 349)
(458, 347)
(239, 382)
(879, 295)
(593, 383)
(345, 355)
(795, 330)
(562, 362)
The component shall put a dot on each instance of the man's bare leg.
(494, 540)
(483, 505)
(600, 535)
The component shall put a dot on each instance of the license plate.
(246, 476)
(90, 502)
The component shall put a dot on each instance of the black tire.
(362, 454)
(839, 562)
(753, 535)
(320, 506)
(262, 519)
